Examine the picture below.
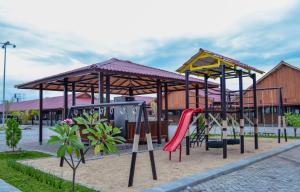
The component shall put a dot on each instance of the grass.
(29, 179)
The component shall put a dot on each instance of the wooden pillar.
(101, 87)
(255, 120)
(197, 105)
(166, 109)
(51, 117)
(206, 110)
(223, 110)
(65, 98)
(130, 90)
(107, 95)
(41, 114)
(73, 94)
(281, 112)
(159, 111)
(92, 95)
(187, 105)
(241, 115)
(100, 92)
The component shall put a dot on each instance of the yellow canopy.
(206, 62)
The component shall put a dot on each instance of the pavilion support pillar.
(92, 95)
(166, 109)
(65, 115)
(223, 110)
(73, 94)
(100, 92)
(206, 115)
(187, 106)
(51, 117)
(255, 119)
(197, 105)
(41, 114)
(241, 115)
(159, 111)
(130, 91)
(107, 96)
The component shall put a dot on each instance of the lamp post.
(4, 45)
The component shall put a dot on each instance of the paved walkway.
(280, 173)
(5, 187)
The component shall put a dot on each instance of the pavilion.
(114, 76)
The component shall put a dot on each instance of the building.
(284, 76)
(53, 106)
(176, 101)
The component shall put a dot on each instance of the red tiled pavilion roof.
(123, 74)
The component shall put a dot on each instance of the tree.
(13, 133)
(16, 114)
(293, 120)
(32, 114)
(101, 136)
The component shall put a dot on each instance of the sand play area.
(111, 173)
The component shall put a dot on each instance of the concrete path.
(280, 173)
(5, 187)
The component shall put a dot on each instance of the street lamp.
(4, 45)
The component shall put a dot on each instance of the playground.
(100, 173)
(205, 137)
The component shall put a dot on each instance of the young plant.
(13, 133)
(70, 144)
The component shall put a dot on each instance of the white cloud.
(132, 28)
(123, 26)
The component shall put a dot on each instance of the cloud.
(55, 36)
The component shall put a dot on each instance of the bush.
(293, 120)
(13, 133)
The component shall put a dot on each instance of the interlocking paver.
(279, 173)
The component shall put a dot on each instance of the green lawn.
(28, 179)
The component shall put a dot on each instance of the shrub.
(13, 133)
(293, 120)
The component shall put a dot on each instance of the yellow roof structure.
(207, 62)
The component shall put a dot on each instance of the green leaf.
(70, 150)
(54, 139)
(61, 151)
(85, 131)
(97, 149)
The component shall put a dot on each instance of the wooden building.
(284, 76)
(176, 101)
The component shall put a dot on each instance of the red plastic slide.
(181, 130)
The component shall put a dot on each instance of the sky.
(53, 36)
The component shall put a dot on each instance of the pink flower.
(68, 121)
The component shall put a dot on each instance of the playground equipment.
(141, 105)
(183, 127)
(211, 65)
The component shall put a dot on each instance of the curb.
(195, 179)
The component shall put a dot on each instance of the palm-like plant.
(70, 144)
(101, 136)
